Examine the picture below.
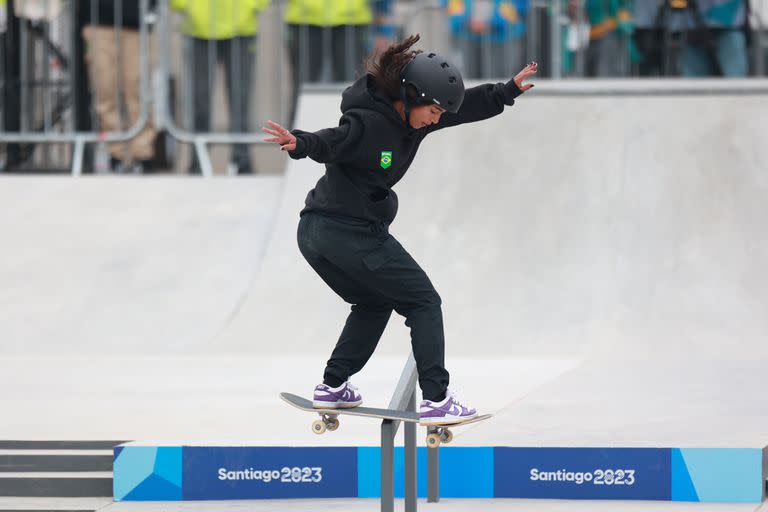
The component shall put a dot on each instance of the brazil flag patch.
(386, 159)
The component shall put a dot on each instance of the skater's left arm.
(488, 100)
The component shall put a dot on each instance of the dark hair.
(388, 67)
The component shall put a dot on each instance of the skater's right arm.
(324, 146)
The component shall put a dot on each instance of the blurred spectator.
(488, 35)
(713, 34)
(222, 31)
(720, 43)
(81, 95)
(8, 72)
(112, 56)
(574, 38)
(610, 43)
(649, 36)
(758, 16)
(5, 65)
(343, 28)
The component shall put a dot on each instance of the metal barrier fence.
(165, 75)
(299, 42)
(246, 71)
(40, 82)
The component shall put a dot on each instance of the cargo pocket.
(380, 256)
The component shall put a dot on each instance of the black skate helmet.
(436, 81)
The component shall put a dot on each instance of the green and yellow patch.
(386, 159)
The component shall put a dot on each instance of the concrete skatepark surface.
(126, 266)
(600, 259)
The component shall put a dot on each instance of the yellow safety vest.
(220, 19)
(328, 13)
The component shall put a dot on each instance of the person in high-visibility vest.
(488, 35)
(334, 30)
(222, 31)
(3, 16)
(3, 23)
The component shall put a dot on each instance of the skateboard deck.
(437, 432)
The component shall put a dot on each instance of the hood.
(363, 95)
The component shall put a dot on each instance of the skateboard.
(437, 433)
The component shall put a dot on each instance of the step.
(11, 504)
(55, 460)
(59, 445)
(56, 484)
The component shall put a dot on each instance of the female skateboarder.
(344, 228)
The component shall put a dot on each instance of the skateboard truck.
(327, 421)
(436, 434)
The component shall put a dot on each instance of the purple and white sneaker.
(342, 397)
(449, 410)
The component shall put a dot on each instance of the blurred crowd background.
(182, 86)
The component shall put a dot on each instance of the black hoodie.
(372, 148)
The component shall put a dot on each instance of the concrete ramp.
(614, 229)
(126, 266)
(630, 220)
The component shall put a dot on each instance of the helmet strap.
(406, 103)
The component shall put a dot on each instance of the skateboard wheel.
(447, 436)
(318, 427)
(332, 425)
(433, 440)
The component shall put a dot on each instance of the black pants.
(237, 55)
(346, 45)
(369, 269)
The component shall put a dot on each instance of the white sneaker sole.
(336, 405)
(446, 420)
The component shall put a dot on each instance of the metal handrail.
(403, 399)
(405, 386)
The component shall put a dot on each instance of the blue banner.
(269, 472)
(583, 473)
(717, 474)
(147, 473)
(175, 473)
(465, 472)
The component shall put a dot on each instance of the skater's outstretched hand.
(526, 73)
(281, 136)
